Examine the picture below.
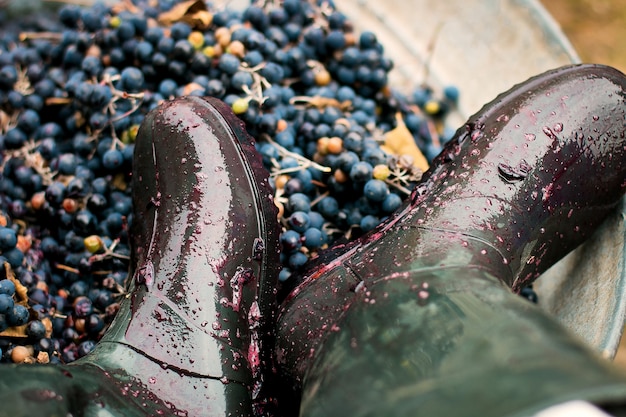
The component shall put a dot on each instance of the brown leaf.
(18, 332)
(200, 20)
(119, 182)
(193, 12)
(123, 6)
(48, 325)
(399, 141)
(320, 102)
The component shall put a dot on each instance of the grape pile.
(342, 148)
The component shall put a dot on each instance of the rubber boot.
(195, 333)
(419, 318)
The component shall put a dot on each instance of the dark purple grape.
(132, 79)
(299, 202)
(314, 238)
(291, 240)
(180, 30)
(14, 256)
(66, 164)
(82, 306)
(6, 304)
(8, 76)
(84, 222)
(369, 222)
(299, 221)
(229, 63)
(391, 203)
(112, 159)
(85, 347)
(297, 260)
(36, 330)
(94, 324)
(8, 240)
(17, 316)
(375, 190)
(328, 207)
(14, 138)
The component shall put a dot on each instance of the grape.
(375, 190)
(299, 221)
(6, 304)
(361, 171)
(14, 256)
(180, 30)
(314, 238)
(132, 79)
(291, 241)
(328, 207)
(7, 287)
(368, 222)
(17, 316)
(391, 203)
(112, 159)
(312, 93)
(8, 240)
(14, 138)
(36, 329)
(228, 63)
(8, 76)
(299, 202)
(297, 260)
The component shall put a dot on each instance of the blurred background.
(597, 30)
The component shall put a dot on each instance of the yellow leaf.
(399, 141)
(119, 182)
(18, 332)
(48, 325)
(193, 12)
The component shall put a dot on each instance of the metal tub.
(484, 47)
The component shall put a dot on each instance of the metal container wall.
(484, 47)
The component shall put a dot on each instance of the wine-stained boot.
(420, 317)
(194, 335)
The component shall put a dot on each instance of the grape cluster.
(75, 86)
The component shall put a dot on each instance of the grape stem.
(33, 159)
(302, 161)
(108, 253)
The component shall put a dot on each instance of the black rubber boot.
(194, 336)
(418, 316)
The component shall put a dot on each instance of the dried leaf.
(5, 120)
(320, 102)
(192, 12)
(200, 20)
(123, 6)
(399, 141)
(43, 357)
(119, 182)
(47, 323)
(18, 332)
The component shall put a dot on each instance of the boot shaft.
(508, 196)
(535, 171)
(451, 342)
(205, 236)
